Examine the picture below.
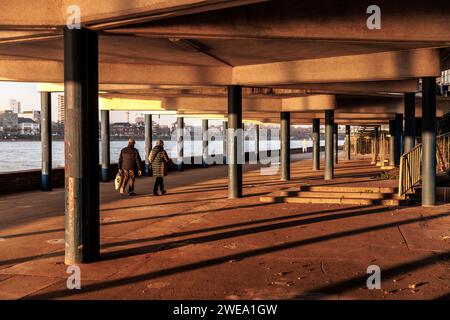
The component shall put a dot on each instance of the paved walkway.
(194, 243)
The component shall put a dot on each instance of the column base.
(148, 170)
(46, 182)
(105, 175)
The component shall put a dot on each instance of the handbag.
(118, 181)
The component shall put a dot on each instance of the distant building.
(122, 129)
(27, 127)
(8, 121)
(34, 115)
(61, 112)
(14, 105)
(139, 121)
(163, 130)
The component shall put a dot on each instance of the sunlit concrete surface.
(194, 243)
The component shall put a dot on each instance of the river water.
(26, 155)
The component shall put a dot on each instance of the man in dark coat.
(129, 161)
(159, 159)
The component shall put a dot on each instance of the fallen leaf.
(231, 246)
(279, 274)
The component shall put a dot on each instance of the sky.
(29, 99)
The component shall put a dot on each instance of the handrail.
(443, 152)
(410, 171)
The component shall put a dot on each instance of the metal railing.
(443, 152)
(410, 171)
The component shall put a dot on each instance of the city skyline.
(26, 93)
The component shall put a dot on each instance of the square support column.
(392, 143)
(410, 129)
(285, 143)
(235, 136)
(398, 137)
(336, 142)
(316, 144)
(148, 128)
(429, 141)
(329, 162)
(224, 141)
(257, 141)
(347, 142)
(46, 141)
(105, 145)
(376, 150)
(205, 150)
(82, 221)
(180, 143)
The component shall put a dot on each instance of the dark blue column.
(285, 161)
(224, 141)
(410, 115)
(81, 131)
(391, 143)
(316, 144)
(347, 142)
(376, 146)
(329, 163)
(235, 142)
(46, 141)
(429, 141)
(205, 150)
(148, 128)
(180, 143)
(257, 141)
(398, 137)
(336, 142)
(105, 145)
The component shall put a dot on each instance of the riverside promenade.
(195, 243)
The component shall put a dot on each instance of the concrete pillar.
(285, 143)
(336, 142)
(104, 121)
(409, 140)
(398, 137)
(347, 142)
(46, 141)
(148, 128)
(376, 146)
(392, 143)
(257, 141)
(224, 141)
(180, 143)
(82, 220)
(316, 144)
(429, 141)
(329, 163)
(205, 143)
(235, 142)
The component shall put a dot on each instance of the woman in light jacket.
(159, 159)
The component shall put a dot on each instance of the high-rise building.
(61, 108)
(14, 105)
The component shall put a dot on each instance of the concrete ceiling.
(193, 49)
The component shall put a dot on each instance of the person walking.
(129, 161)
(159, 159)
(305, 147)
